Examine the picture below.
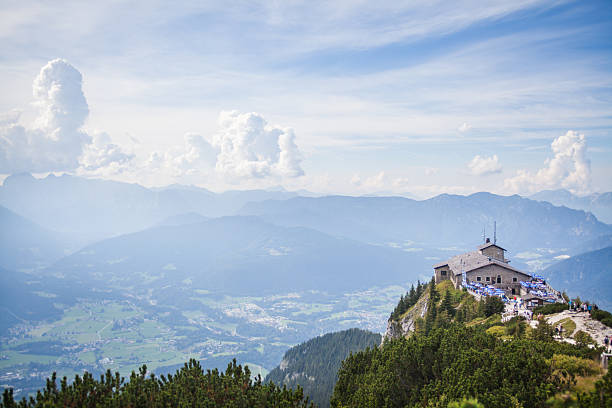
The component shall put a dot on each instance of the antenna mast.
(495, 232)
(483, 235)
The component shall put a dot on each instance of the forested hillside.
(454, 362)
(460, 349)
(314, 364)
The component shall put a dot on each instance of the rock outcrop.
(406, 324)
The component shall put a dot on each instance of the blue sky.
(399, 97)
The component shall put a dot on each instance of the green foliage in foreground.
(601, 396)
(189, 387)
(314, 364)
(550, 308)
(451, 364)
(603, 316)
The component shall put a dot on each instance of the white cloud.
(102, 157)
(482, 166)
(195, 157)
(569, 168)
(252, 148)
(464, 127)
(56, 141)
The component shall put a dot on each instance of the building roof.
(489, 244)
(474, 260)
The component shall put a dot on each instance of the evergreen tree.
(481, 308)
(457, 362)
(419, 290)
(493, 305)
(412, 295)
(543, 331)
(447, 304)
(189, 387)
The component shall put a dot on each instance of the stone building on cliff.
(487, 265)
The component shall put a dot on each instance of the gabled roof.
(440, 264)
(489, 244)
(503, 265)
(474, 260)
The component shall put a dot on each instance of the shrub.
(603, 316)
(471, 403)
(575, 365)
(583, 338)
(496, 331)
(493, 305)
(550, 308)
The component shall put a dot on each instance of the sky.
(352, 97)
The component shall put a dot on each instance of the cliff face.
(406, 324)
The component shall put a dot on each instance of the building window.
(513, 279)
(498, 278)
(488, 279)
(443, 273)
(478, 278)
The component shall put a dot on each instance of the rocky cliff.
(406, 324)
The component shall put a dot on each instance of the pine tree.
(447, 304)
(412, 295)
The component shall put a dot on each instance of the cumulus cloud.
(569, 168)
(249, 147)
(101, 156)
(56, 140)
(482, 166)
(195, 157)
(464, 127)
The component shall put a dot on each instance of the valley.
(122, 333)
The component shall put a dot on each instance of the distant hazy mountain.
(26, 245)
(25, 297)
(314, 364)
(445, 220)
(587, 275)
(182, 219)
(599, 204)
(91, 209)
(240, 255)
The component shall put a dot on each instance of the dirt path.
(596, 329)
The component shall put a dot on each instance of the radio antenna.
(495, 232)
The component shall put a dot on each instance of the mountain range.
(442, 221)
(93, 209)
(26, 245)
(586, 275)
(599, 204)
(239, 255)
